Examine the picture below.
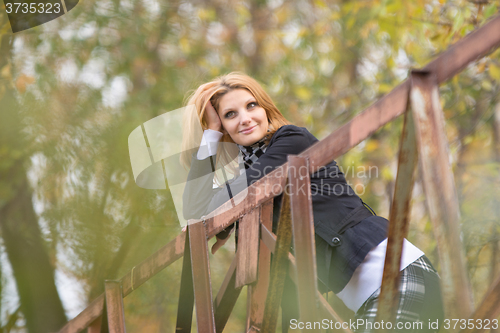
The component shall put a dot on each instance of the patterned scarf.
(252, 153)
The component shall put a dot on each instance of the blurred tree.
(26, 250)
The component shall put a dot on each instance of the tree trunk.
(34, 275)
(26, 251)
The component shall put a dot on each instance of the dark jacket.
(345, 230)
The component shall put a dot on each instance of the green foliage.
(322, 62)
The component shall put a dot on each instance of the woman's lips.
(248, 130)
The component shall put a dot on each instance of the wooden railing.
(423, 138)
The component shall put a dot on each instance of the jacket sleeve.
(289, 140)
(292, 140)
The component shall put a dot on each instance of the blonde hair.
(213, 92)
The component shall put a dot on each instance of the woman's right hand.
(212, 118)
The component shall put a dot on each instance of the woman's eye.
(252, 105)
(229, 114)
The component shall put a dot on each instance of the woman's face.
(243, 119)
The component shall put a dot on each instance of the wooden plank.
(186, 294)
(154, 264)
(440, 193)
(325, 309)
(472, 47)
(226, 284)
(201, 277)
(86, 317)
(247, 254)
(303, 237)
(258, 292)
(114, 306)
(95, 327)
(399, 221)
(279, 267)
(226, 298)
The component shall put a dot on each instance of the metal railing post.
(399, 219)
(114, 306)
(269, 239)
(440, 192)
(258, 291)
(303, 237)
(248, 249)
(279, 267)
(198, 248)
(186, 294)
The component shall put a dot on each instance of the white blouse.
(367, 278)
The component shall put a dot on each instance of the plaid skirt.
(420, 302)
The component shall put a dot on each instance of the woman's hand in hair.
(212, 118)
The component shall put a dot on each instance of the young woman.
(350, 240)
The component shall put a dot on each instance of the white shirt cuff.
(209, 143)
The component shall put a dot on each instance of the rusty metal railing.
(423, 138)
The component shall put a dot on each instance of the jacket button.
(336, 241)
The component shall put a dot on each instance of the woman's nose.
(245, 117)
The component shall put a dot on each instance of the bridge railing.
(423, 139)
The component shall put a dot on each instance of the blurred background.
(73, 89)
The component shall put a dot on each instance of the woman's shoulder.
(293, 130)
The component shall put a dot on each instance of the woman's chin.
(245, 143)
(248, 140)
